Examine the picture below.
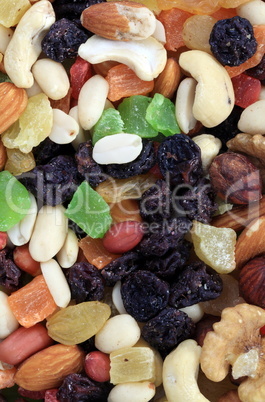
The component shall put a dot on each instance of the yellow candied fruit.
(215, 246)
(192, 6)
(12, 11)
(132, 364)
(18, 162)
(32, 127)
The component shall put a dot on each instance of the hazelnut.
(252, 281)
(235, 178)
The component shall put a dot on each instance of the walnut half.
(236, 341)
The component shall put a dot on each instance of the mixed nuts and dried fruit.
(132, 229)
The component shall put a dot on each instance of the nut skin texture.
(13, 103)
(252, 281)
(48, 368)
(230, 396)
(235, 178)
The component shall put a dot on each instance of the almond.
(250, 242)
(167, 81)
(119, 20)
(13, 101)
(48, 368)
(240, 217)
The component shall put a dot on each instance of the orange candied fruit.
(259, 32)
(32, 303)
(95, 252)
(224, 13)
(7, 377)
(173, 21)
(123, 82)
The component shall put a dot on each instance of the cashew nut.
(147, 58)
(25, 45)
(214, 95)
(180, 372)
(210, 147)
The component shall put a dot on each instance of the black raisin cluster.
(72, 9)
(232, 41)
(90, 170)
(53, 183)
(10, 274)
(80, 388)
(63, 40)
(85, 281)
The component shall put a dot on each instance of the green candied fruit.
(89, 211)
(14, 200)
(133, 111)
(161, 115)
(109, 123)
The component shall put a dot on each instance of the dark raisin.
(155, 203)
(86, 282)
(142, 164)
(53, 183)
(170, 327)
(169, 264)
(144, 295)
(2, 398)
(90, 170)
(162, 236)
(195, 284)
(232, 41)
(72, 9)
(198, 202)
(10, 274)
(228, 129)
(63, 40)
(179, 160)
(79, 388)
(48, 149)
(88, 345)
(258, 71)
(121, 267)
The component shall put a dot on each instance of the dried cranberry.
(79, 388)
(144, 295)
(90, 170)
(10, 274)
(142, 164)
(198, 202)
(232, 41)
(31, 394)
(195, 284)
(162, 236)
(63, 40)
(167, 265)
(168, 329)
(155, 203)
(121, 267)
(86, 282)
(179, 160)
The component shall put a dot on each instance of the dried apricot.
(123, 82)
(173, 21)
(192, 6)
(32, 303)
(95, 252)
